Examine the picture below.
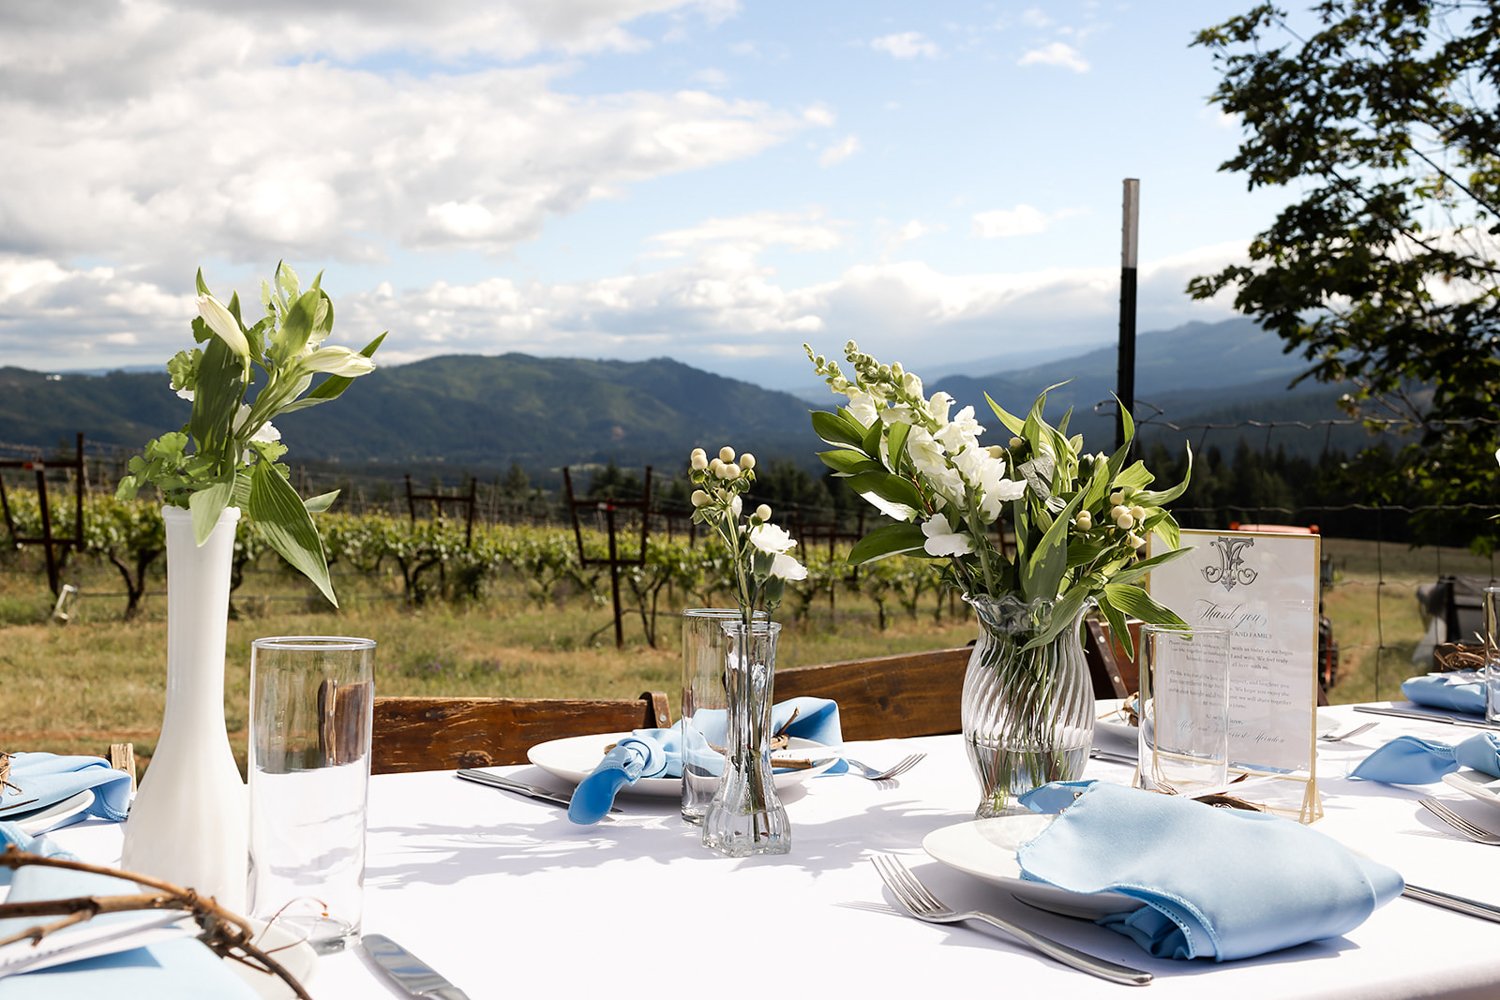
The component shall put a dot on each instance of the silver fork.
(1341, 737)
(1472, 831)
(923, 905)
(874, 774)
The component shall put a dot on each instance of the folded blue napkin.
(171, 970)
(49, 778)
(659, 753)
(1407, 760)
(1455, 691)
(1217, 883)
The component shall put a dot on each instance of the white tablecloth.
(508, 899)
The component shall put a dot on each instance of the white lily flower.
(186, 394)
(942, 540)
(772, 539)
(338, 361)
(222, 322)
(786, 567)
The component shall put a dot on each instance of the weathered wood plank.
(430, 734)
(886, 697)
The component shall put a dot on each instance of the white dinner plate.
(288, 948)
(575, 758)
(986, 849)
(56, 814)
(1483, 787)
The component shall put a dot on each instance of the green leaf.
(1044, 570)
(1135, 601)
(1160, 498)
(321, 502)
(287, 527)
(207, 504)
(848, 462)
(888, 540)
(871, 440)
(297, 326)
(1118, 625)
(837, 429)
(1012, 422)
(895, 445)
(1166, 529)
(1063, 613)
(888, 487)
(1139, 570)
(1134, 478)
(202, 285)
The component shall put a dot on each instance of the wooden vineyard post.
(608, 507)
(54, 548)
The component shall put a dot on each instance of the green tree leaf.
(288, 528)
(888, 540)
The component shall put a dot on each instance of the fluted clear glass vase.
(745, 818)
(1027, 714)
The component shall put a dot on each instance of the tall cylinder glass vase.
(189, 823)
(1027, 714)
(745, 818)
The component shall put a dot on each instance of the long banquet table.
(505, 897)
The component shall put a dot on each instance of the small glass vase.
(1027, 714)
(745, 818)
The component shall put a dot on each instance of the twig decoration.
(227, 934)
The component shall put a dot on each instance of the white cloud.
(1035, 17)
(166, 134)
(716, 299)
(1056, 54)
(839, 151)
(906, 45)
(1023, 220)
(714, 79)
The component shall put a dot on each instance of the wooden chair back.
(887, 697)
(1114, 674)
(439, 734)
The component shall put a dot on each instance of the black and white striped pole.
(1129, 244)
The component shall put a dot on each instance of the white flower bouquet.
(228, 453)
(1037, 519)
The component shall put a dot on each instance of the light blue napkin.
(1217, 883)
(1407, 760)
(659, 753)
(171, 970)
(1455, 691)
(49, 778)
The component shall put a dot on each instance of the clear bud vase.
(745, 818)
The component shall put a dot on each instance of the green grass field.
(96, 680)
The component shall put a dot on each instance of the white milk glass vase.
(189, 823)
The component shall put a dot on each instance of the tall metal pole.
(1130, 232)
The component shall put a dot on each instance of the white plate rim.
(47, 819)
(1475, 783)
(964, 847)
(574, 758)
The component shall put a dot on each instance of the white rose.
(772, 539)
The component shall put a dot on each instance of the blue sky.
(713, 181)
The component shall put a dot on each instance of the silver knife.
(519, 787)
(1448, 901)
(1450, 720)
(412, 974)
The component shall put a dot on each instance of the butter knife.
(519, 787)
(1450, 720)
(1448, 901)
(410, 973)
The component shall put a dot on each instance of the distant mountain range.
(481, 414)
